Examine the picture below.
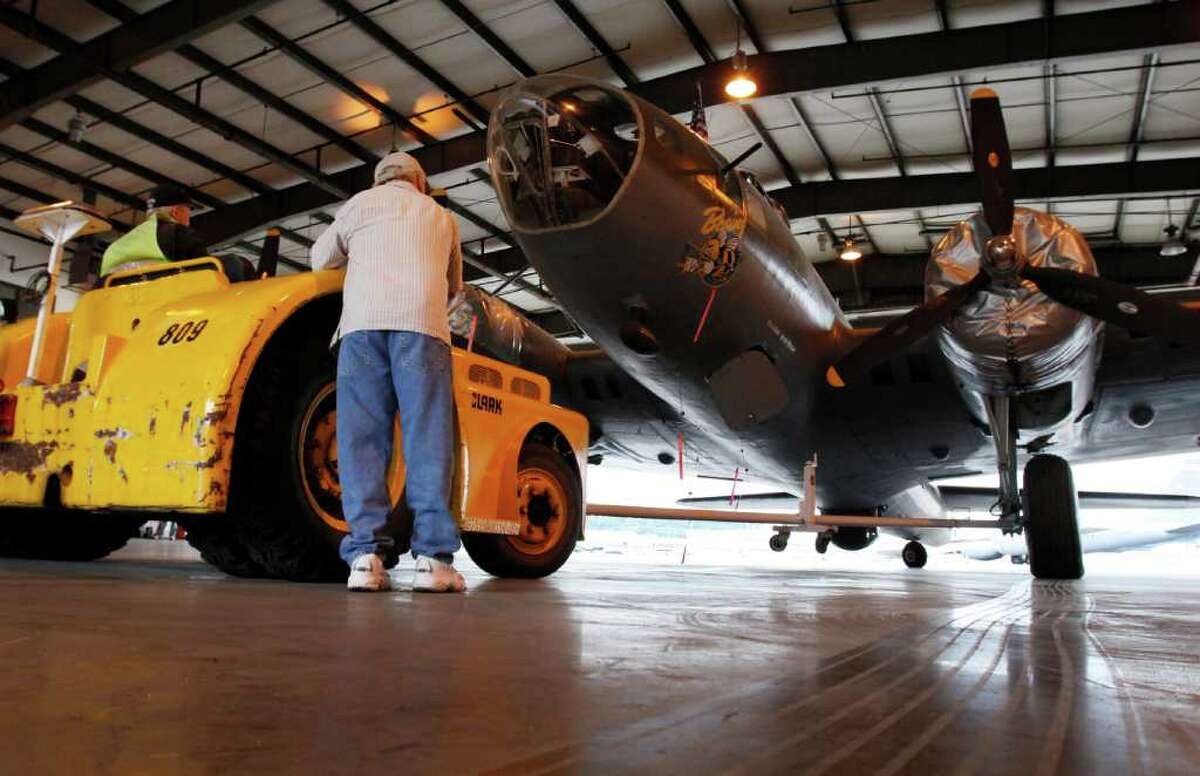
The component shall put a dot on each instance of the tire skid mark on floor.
(894, 647)
(882, 695)
(918, 744)
(1135, 734)
(1056, 735)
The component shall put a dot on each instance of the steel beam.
(843, 20)
(63, 174)
(397, 49)
(1051, 116)
(826, 67)
(1137, 130)
(502, 49)
(144, 133)
(807, 127)
(332, 76)
(894, 193)
(906, 57)
(118, 10)
(155, 32)
(764, 134)
(943, 15)
(901, 277)
(56, 40)
(886, 128)
(694, 36)
(118, 161)
(587, 30)
(252, 215)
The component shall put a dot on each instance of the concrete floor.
(153, 663)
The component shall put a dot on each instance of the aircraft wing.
(981, 499)
(1114, 540)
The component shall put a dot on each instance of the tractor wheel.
(62, 534)
(1051, 519)
(550, 501)
(285, 508)
(219, 544)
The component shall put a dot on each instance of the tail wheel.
(550, 503)
(914, 555)
(1052, 519)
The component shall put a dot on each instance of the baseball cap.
(400, 165)
(167, 195)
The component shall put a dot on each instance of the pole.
(46, 309)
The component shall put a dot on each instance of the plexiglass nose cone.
(560, 148)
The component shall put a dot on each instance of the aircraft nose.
(560, 149)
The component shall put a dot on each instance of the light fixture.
(76, 127)
(741, 85)
(850, 250)
(1172, 246)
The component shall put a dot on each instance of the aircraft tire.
(551, 505)
(62, 534)
(1052, 519)
(273, 526)
(914, 555)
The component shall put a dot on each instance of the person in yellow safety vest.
(164, 236)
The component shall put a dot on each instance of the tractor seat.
(237, 268)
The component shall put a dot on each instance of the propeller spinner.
(1003, 264)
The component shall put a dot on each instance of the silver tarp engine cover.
(1005, 340)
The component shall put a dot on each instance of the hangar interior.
(271, 113)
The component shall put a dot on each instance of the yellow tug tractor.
(172, 393)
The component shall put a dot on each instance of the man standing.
(403, 265)
(165, 235)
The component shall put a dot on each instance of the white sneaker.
(433, 576)
(368, 575)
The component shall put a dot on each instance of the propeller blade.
(993, 160)
(902, 332)
(1116, 303)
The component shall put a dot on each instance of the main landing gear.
(1047, 509)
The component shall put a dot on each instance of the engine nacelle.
(1010, 339)
(854, 537)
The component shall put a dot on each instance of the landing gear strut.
(823, 540)
(1047, 510)
(914, 555)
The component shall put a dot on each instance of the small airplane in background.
(719, 346)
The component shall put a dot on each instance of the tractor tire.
(219, 545)
(550, 500)
(62, 534)
(275, 526)
(1052, 519)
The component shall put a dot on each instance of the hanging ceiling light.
(741, 85)
(1172, 246)
(850, 250)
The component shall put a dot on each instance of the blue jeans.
(380, 373)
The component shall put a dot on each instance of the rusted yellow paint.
(150, 421)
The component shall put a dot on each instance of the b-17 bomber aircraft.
(716, 338)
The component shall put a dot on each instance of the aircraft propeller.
(1103, 299)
